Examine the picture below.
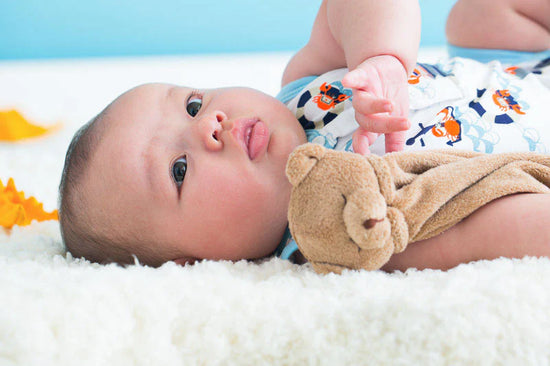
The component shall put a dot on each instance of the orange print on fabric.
(329, 97)
(511, 70)
(505, 101)
(414, 78)
(448, 126)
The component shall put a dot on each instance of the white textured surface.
(59, 311)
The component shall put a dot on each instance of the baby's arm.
(347, 32)
(512, 226)
(377, 41)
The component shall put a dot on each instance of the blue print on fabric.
(320, 137)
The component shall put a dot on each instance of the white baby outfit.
(457, 103)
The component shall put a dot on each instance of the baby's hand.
(381, 102)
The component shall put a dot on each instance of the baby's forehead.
(143, 93)
(143, 102)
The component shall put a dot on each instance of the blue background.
(96, 28)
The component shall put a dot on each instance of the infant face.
(198, 174)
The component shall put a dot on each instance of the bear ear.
(302, 160)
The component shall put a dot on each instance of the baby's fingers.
(382, 123)
(362, 139)
(365, 103)
(395, 141)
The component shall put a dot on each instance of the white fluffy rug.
(55, 310)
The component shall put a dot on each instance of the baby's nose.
(226, 125)
(211, 128)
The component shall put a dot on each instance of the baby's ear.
(302, 160)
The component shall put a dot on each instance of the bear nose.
(370, 223)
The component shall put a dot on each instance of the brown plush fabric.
(350, 211)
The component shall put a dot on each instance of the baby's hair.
(86, 235)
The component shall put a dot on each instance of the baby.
(172, 173)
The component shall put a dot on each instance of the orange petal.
(12, 214)
(16, 210)
(13, 127)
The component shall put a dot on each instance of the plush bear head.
(338, 215)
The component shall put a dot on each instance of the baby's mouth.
(252, 134)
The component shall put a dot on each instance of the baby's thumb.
(355, 79)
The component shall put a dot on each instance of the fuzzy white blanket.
(56, 310)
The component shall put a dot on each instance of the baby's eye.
(178, 170)
(194, 104)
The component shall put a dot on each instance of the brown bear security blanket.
(351, 211)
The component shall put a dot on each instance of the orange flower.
(13, 127)
(16, 210)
